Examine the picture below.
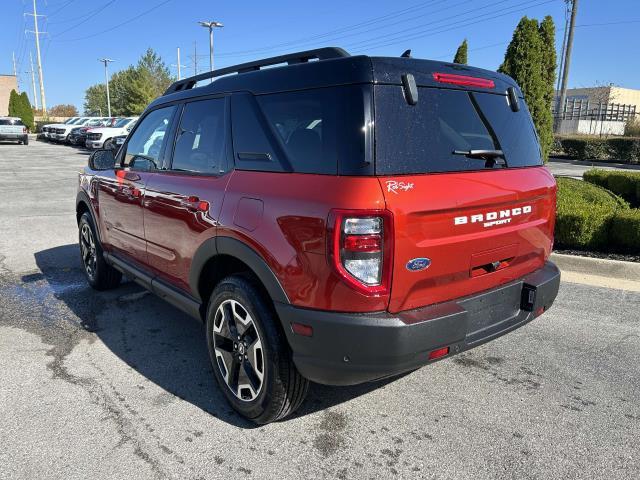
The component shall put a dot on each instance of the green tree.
(14, 101)
(461, 53)
(527, 62)
(26, 111)
(131, 89)
(19, 106)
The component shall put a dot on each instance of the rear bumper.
(13, 136)
(351, 348)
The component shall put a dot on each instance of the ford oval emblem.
(417, 264)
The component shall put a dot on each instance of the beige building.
(606, 95)
(7, 83)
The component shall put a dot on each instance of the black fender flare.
(82, 197)
(235, 248)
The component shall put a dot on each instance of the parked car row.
(90, 132)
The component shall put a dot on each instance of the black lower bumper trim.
(351, 348)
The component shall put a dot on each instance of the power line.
(120, 24)
(401, 37)
(61, 8)
(81, 17)
(110, 2)
(332, 33)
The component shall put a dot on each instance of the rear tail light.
(24, 129)
(361, 248)
(463, 80)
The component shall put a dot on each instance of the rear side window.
(422, 138)
(200, 145)
(312, 131)
(9, 121)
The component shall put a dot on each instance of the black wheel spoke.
(234, 373)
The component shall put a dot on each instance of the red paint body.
(155, 220)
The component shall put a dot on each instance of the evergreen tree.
(547, 32)
(461, 53)
(26, 111)
(524, 61)
(14, 107)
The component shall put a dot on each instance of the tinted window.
(422, 138)
(146, 142)
(9, 121)
(317, 129)
(200, 145)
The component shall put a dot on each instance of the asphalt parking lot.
(118, 384)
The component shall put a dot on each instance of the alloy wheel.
(238, 349)
(88, 250)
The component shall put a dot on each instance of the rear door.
(463, 223)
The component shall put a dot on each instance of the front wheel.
(108, 144)
(249, 353)
(99, 273)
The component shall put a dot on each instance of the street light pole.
(211, 25)
(106, 61)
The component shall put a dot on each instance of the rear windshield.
(10, 121)
(422, 138)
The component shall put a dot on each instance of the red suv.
(337, 219)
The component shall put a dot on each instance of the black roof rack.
(290, 58)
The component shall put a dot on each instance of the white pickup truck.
(12, 128)
(103, 137)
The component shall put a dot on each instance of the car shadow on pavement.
(155, 339)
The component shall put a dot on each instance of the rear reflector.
(302, 329)
(441, 352)
(464, 80)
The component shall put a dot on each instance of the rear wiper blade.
(481, 154)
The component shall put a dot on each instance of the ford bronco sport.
(337, 219)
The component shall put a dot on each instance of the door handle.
(194, 204)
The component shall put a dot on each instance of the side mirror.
(102, 160)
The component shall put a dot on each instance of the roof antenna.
(406, 54)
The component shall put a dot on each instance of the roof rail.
(290, 58)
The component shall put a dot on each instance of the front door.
(183, 201)
(122, 194)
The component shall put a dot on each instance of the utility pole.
(38, 57)
(211, 25)
(33, 81)
(15, 71)
(179, 76)
(195, 58)
(567, 58)
(106, 62)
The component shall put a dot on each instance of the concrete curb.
(598, 266)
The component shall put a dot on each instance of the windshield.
(71, 121)
(79, 121)
(123, 122)
(434, 135)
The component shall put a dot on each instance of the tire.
(25, 141)
(99, 274)
(282, 389)
(108, 144)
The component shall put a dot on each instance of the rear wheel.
(25, 141)
(99, 273)
(249, 353)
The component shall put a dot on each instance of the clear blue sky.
(80, 31)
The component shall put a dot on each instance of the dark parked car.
(340, 220)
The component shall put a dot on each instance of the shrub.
(626, 184)
(623, 149)
(625, 230)
(584, 214)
